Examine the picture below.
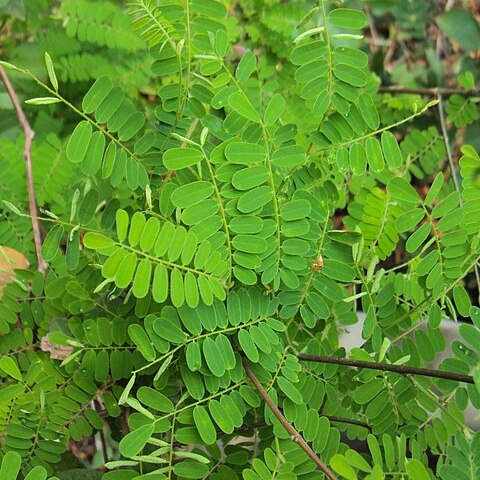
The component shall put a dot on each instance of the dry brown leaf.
(57, 352)
(10, 259)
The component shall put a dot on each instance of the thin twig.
(350, 421)
(387, 367)
(27, 154)
(295, 436)
(373, 30)
(446, 140)
(432, 92)
(103, 441)
(104, 445)
(332, 418)
(453, 170)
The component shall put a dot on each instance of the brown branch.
(386, 367)
(332, 418)
(295, 436)
(27, 154)
(432, 92)
(350, 421)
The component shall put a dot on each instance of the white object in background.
(351, 337)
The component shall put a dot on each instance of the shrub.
(205, 248)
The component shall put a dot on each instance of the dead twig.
(294, 435)
(27, 154)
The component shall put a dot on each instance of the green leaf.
(191, 194)
(193, 356)
(78, 144)
(51, 244)
(274, 109)
(435, 188)
(96, 94)
(248, 346)
(348, 18)
(97, 241)
(177, 289)
(356, 460)
(240, 104)
(136, 228)
(192, 297)
(254, 199)
(209, 8)
(122, 222)
(126, 269)
(167, 329)
(342, 467)
(246, 66)
(213, 358)
(392, 152)
(295, 210)
(42, 100)
(290, 156)
(416, 470)
(126, 390)
(51, 72)
(10, 66)
(289, 390)
(188, 469)
(449, 203)
(417, 238)
(244, 153)
(365, 393)
(249, 243)
(193, 456)
(374, 154)
(220, 415)
(358, 159)
(133, 443)
(401, 190)
(462, 300)
(178, 158)
(154, 399)
(160, 283)
(8, 365)
(250, 177)
(10, 467)
(204, 425)
(37, 473)
(410, 219)
(349, 74)
(142, 341)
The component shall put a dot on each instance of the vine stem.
(433, 92)
(27, 154)
(387, 367)
(295, 436)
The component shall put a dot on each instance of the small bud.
(317, 266)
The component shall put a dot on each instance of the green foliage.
(239, 202)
